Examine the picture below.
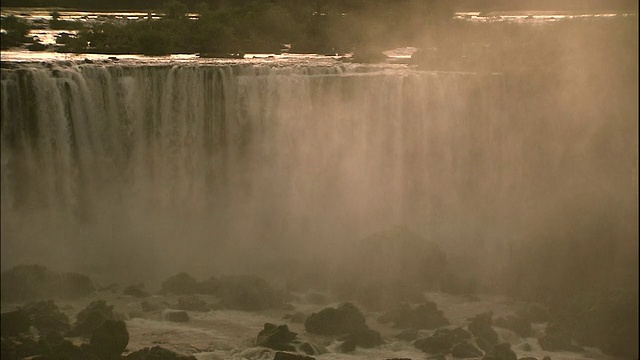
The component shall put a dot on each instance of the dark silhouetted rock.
(366, 55)
(248, 293)
(465, 351)
(14, 323)
(110, 339)
(175, 315)
(557, 342)
(480, 327)
(280, 355)
(517, 324)
(347, 346)
(436, 344)
(296, 318)
(33, 282)
(180, 284)
(276, 337)
(501, 352)
(346, 319)
(157, 353)
(192, 303)
(423, 316)
(45, 316)
(210, 286)
(136, 291)
(312, 349)
(437, 357)
(91, 318)
(528, 358)
(526, 347)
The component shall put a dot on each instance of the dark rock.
(179, 284)
(347, 346)
(526, 347)
(557, 342)
(13, 323)
(175, 316)
(136, 291)
(546, 358)
(110, 339)
(480, 327)
(192, 303)
(210, 286)
(517, 324)
(276, 337)
(408, 335)
(248, 293)
(157, 353)
(366, 55)
(91, 318)
(45, 316)
(33, 282)
(312, 349)
(528, 358)
(290, 356)
(465, 351)
(436, 344)
(501, 352)
(346, 319)
(424, 316)
(296, 318)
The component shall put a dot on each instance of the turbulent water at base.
(129, 169)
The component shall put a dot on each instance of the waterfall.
(180, 164)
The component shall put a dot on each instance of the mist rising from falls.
(149, 170)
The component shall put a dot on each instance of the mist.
(505, 157)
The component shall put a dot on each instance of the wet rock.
(517, 324)
(408, 335)
(436, 344)
(46, 316)
(110, 339)
(136, 291)
(192, 303)
(296, 318)
(210, 286)
(347, 346)
(280, 355)
(91, 318)
(248, 293)
(157, 353)
(13, 323)
(557, 342)
(465, 351)
(501, 352)
(276, 337)
(437, 357)
(179, 284)
(423, 316)
(175, 315)
(368, 56)
(33, 282)
(528, 358)
(312, 349)
(480, 327)
(346, 319)
(526, 347)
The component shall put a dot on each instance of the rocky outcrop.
(501, 352)
(33, 282)
(157, 353)
(515, 323)
(480, 327)
(110, 339)
(91, 318)
(423, 316)
(276, 337)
